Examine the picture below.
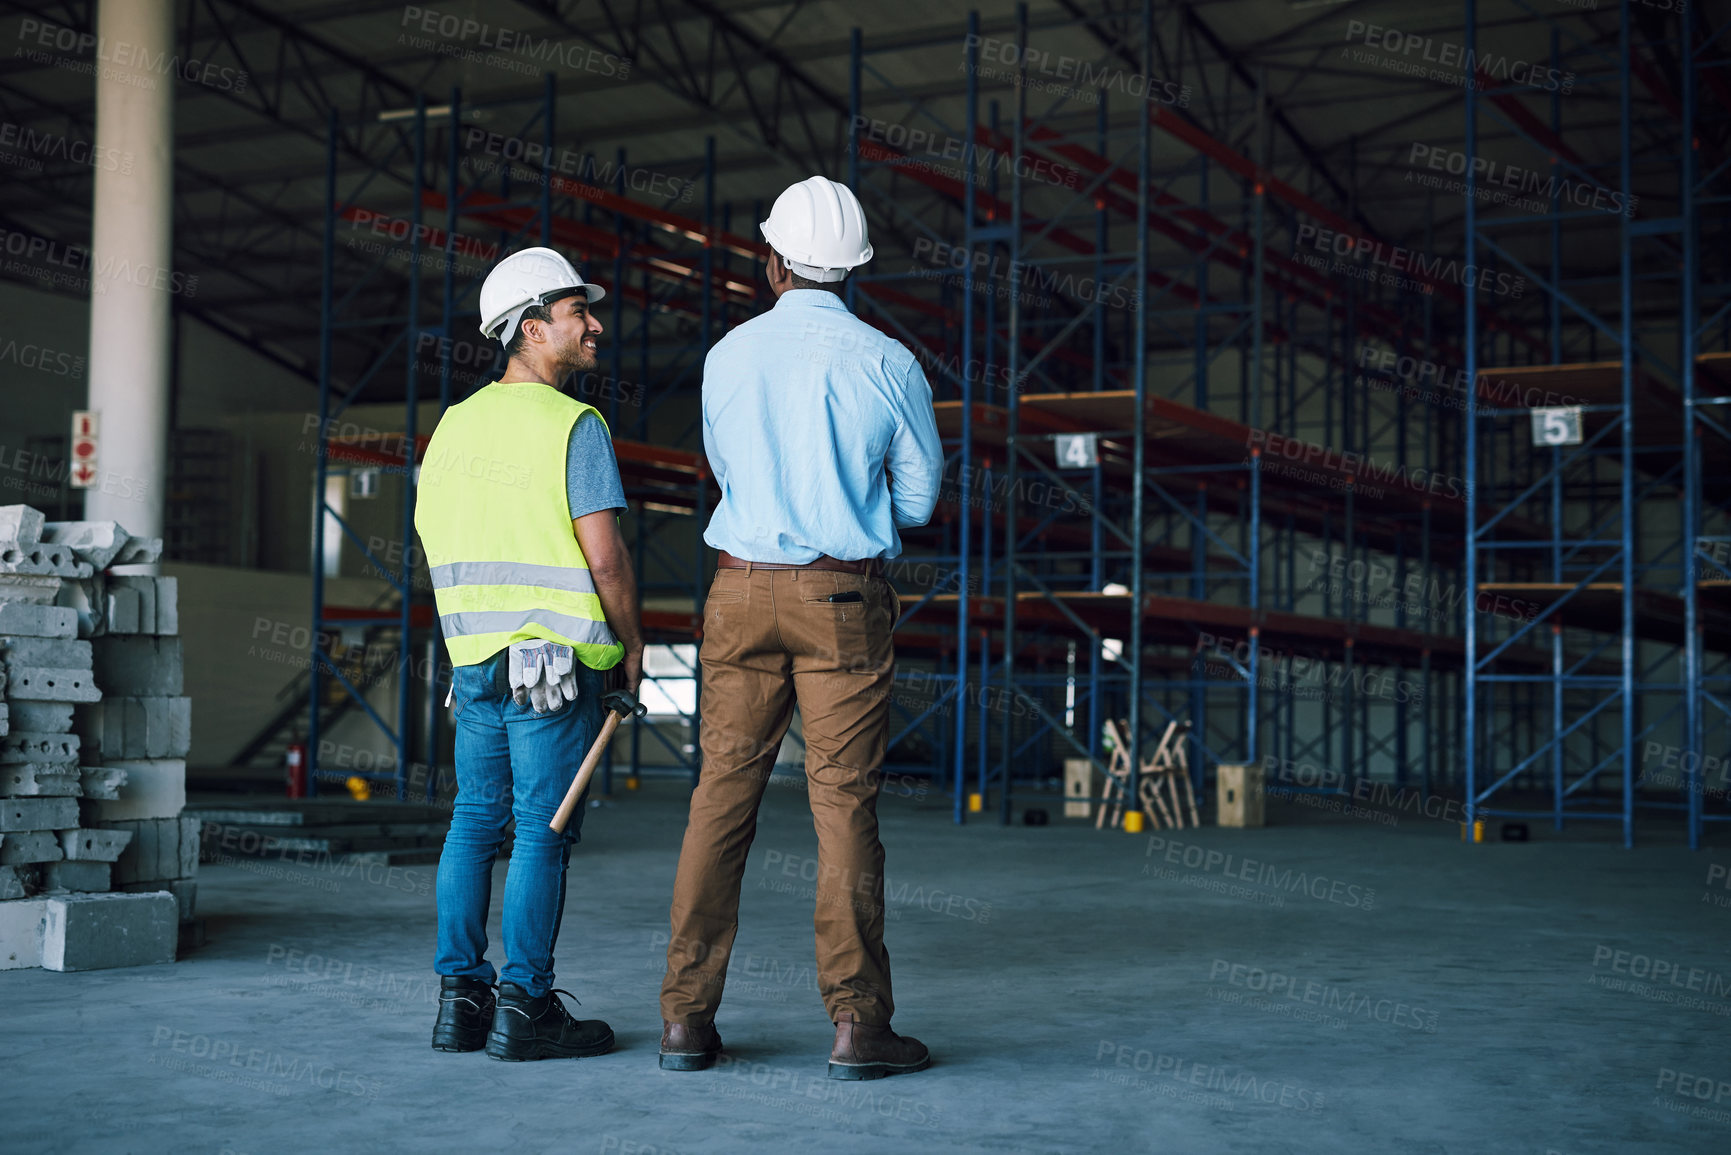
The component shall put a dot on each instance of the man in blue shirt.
(821, 433)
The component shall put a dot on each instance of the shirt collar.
(811, 299)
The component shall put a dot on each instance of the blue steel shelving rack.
(1269, 376)
(1620, 679)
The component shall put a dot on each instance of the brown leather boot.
(690, 1048)
(866, 1052)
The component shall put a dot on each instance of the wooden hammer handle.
(585, 772)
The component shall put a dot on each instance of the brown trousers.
(771, 637)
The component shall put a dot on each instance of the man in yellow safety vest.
(517, 509)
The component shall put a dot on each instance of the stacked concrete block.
(23, 552)
(162, 855)
(54, 670)
(18, 881)
(130, 728)
(84, 932)
(96, 865)
(21, 932)
(122, 604)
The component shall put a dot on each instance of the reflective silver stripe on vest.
(580, 630)
(512, 573)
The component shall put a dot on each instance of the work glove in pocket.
(543, 675)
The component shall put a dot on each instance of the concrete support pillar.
(131, 263)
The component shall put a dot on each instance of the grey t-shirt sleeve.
(591, 472)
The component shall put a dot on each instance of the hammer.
(619, 704)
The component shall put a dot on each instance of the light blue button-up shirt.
(821, 433)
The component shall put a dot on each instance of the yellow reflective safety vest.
(493, 517)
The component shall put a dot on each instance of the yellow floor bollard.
(1133, 822)
(632, 783)
(976, 803)
(1477, 833)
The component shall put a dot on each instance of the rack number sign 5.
(1559, 426)
(1077, 450)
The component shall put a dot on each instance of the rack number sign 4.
(1559, 426)
(1077, 450)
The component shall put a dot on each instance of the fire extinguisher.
(297, 770)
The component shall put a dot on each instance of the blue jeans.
(511, 763)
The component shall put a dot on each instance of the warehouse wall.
(216, 376)
(246, 636)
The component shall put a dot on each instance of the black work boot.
(530, 1028)
(465, 1014)
(866, 1052)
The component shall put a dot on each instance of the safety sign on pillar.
(84, 447)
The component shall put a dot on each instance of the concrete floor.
(1080, 991)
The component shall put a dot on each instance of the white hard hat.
(819, 229)
(525, 278)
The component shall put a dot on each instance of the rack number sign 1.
(1559, 426)
(1077, 450)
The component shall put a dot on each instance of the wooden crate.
(1079, 777)
(1239, 794)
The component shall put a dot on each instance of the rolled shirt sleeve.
(916, 456)
(591, 471)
